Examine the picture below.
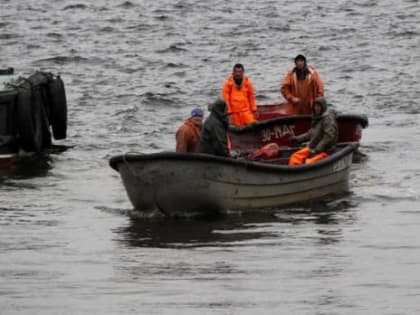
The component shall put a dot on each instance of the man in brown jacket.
(301, 86)
(188, 135)
(322, 136)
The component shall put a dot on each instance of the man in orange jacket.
(301, 86)
(239, 95)
(188, 135)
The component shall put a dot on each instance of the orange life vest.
(300, 157)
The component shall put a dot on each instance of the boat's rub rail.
(362, 119)
(115, 161)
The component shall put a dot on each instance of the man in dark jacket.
(322, 136)
(214, 139)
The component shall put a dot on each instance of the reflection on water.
(164, 232)
(26, 167)
(32, 165)
(329, 210)
(235, 227)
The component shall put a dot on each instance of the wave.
(171, 49)
(126, 5)
(79, 6)
(150, 98)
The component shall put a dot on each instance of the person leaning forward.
(301, 86)
(322, 136)
(214, 138)
(188, 135)
(239, 95)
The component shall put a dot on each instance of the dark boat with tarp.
(33, 109)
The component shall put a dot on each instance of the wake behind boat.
(186, 184)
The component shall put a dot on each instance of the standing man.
(239, 95)
(301, 86)
(188, 135)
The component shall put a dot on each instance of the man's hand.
(294, 141)
(312, 154)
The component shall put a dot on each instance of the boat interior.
(273, 155)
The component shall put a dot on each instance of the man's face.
(197, 120)
(238, 74)
(317, 109)
(300, 64)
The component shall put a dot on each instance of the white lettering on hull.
(277, 132)
(342, 164)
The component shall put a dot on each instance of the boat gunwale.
(363, 121)
(134, 157)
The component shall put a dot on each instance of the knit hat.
(197, 112)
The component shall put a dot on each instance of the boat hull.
(7, 161)
(278, 130)
(179, 184)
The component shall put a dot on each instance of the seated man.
(322, 136)
(214, 139)
(188, 135)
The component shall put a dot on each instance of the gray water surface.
(69, 240)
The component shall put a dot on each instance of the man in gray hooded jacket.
(322, 136)
(214, 139)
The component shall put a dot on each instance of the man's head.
(320, 105)
(197, 114)
(238, 72)
(300, 61)
(219, 107)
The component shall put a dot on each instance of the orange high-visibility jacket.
(314, 88)
(240, 100)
